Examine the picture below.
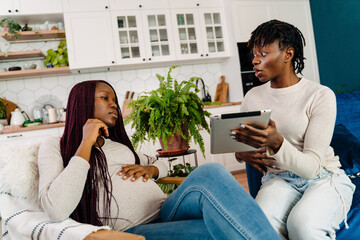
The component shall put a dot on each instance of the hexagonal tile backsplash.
(24, 92)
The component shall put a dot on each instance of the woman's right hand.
(256, 159)
(93, 128)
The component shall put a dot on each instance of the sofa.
(346, 144)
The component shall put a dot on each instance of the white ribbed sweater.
(304, 114)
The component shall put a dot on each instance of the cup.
(52, 115)
(60, 25)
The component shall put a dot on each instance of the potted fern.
(170, 113)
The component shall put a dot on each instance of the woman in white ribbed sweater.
(304, 193)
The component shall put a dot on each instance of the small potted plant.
(10, 26)
(170, 113)
(58, 57)
(3, 119)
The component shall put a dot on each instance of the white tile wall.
(25, 91)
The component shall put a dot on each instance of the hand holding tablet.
(223, 124)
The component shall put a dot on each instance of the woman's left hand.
(137, 171)
(259, 138)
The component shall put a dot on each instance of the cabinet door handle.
(207, 54)
(113, 62)
(143, 59)
(140, 6)
(201, 55)
(16, 10)
(106, 7)
(149, 59)
(198, 4)
(9, 11)
(14, 136)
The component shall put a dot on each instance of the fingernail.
(233, 132)
(273, 166)
(233, 137)
(124, 177)
(242, 126)
(133, 179)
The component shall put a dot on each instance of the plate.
(171, 152)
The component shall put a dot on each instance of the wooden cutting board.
(222, 91)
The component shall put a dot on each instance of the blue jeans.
(209, 204)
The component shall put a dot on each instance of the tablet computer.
(222, 124)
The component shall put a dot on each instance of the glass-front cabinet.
(214, 32)
(128, 35)
(199, 33)
(143, 36)
(187, 34)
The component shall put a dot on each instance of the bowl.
(30, 66)
(16, 68)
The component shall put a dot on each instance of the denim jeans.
(209, 204)
(306, 209)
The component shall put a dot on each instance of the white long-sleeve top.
(305, 115)
(60, 189)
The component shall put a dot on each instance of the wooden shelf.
(35, 73)
(34, 35)
(11, 56)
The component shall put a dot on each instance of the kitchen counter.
(15, 129)
(222, 105)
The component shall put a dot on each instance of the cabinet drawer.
(30, 136)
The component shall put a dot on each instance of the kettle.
(17, 118)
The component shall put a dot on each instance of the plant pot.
(6, 27)
(175, 142)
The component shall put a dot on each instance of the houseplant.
(10, 26)
(3, 119)
(58, 57)
(172, 109)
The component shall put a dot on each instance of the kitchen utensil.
(16, 68)
(221, 91)
(17, 118)
(128, 99)
(206, 95)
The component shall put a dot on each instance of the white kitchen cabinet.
(142, 36)
(248, 14)
(23, 7)
(30, 136)
(85, 5)
(119, 5)
(142, 32)
(199, 33)
(89, 40)
(226, 159)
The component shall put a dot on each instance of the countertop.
(222, 105)
(15, 129)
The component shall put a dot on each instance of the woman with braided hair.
(93, 175)
(304, 193)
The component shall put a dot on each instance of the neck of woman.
(285, 80)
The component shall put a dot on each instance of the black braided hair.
(288, 36)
